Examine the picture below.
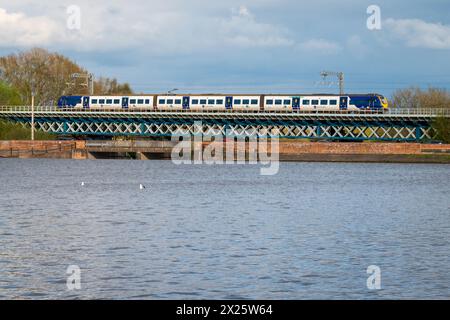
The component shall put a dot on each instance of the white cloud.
(418, 33)
(18, 29)
(242, 29)
(160, 30)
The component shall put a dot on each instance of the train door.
(86, 102)
(125, 102)
(296, 103)
(343, 103)
(229, 103)
(186, 103)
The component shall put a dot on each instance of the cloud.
(18, 29)
(320, 46)
(418, 33)
(158, 31)
(243, 30)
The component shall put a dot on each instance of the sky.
(254, 46)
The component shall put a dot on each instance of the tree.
(9, 96)
(417, 98)
(39, 70)
(108, 86)
(432, 98)
(442, 127)
(50, 76)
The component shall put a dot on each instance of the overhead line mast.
(339, 75)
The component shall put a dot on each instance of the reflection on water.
(202, 231)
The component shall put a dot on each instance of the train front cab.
(70, 102)
(384, 103)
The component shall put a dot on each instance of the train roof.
(230, 94)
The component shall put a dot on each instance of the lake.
(223, 231)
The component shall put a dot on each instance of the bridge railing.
(420, 111)
(393, 111)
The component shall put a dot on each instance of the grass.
(14, 131)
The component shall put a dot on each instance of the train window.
(147, 101)
(210, 102)
(315, 102)
(333, 102)
(287, 102)
(169, 101)
(306, 102)
(254, 102)
(246, 102)
(203, 101)
(195, 101)
(133, 101)
(140, 101)
(237, 101)
(94, 101)
(162, 101)
(109, 101)
(219, 101)
(278, 102)
(178, 101)
(323, 102)
(117, 101)
(102, 101)
(269, 102)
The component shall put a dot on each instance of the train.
(371, 102)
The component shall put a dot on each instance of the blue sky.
(241, 46)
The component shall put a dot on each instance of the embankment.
(288, 151)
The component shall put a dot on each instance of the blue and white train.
(221, 102)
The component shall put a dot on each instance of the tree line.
(49, 75)
(414, 97)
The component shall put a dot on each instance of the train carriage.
(225, 102)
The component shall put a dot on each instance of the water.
(223, 232)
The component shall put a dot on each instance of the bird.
(141, 186)
(82, 184)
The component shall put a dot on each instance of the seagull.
(82, 184)
(141, 186)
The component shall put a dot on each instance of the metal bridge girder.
(332, 127)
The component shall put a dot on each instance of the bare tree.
(50, 76)
(417, 98)
(111, 87)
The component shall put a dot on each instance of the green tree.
(9, 96)
(15, 131)
(442, 127)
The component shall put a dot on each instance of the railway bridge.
(395, 125)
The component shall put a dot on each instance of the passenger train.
(221, 102)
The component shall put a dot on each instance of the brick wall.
(360, 148)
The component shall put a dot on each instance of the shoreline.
(289, 151)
